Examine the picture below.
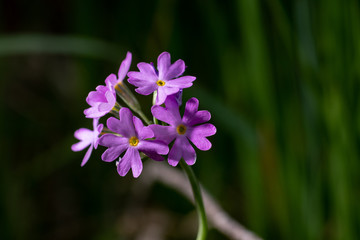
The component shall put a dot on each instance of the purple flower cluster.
(126, 135)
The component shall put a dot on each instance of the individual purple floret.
(183, 129)
(103, 99)
(166, 80)
(87, 138)
(133, 135)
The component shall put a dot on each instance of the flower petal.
(93, 112)
(198, 135)
(109, 104)
(139, 79)
(111, 81)
(199, 117)
(87, 156)
(164, 115)
(136, 163)
(181, 82)
(142, 132)
(111, 140)
(147, 88)
(125, 125)
(113, 153)
(148, 71)
(124, 67)
(84, 134)
(132, 160)
(79, 146)
(124, 164)
(164, 133)
(175, 70)
(188, 152)
(163, 63)
(175, 152)
(153, 146)
(161, 96)
(170, 90)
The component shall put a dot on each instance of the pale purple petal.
(124, 67)
(175, 70)
(111, 140)
(113, 153)
(192, 116)
(188, 152)
(142, 132)
(170, 90)
(199, 117)
(164, 133)
(172, 107)
(125, 125)
(97, 96)
(148, 71)
(83, 134)
(132, 160)
(79, 146)
(87, 156)
(198, 135)
(136, 163)
(181, 82)
(110, 82)
(124, 164)
(191, 106)
(153, 146)
(138, 79)
(147, 88)
(161, 96)
(164, 115)
(109, 104)
(163, 64)
(86, 138)
(175, 153)
(93, 112)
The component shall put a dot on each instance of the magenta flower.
(166, 80)
(104, 98)
(133, 138)
(183, 129)
(87, 138)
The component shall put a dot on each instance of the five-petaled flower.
(166, 81)
(189, 127)
(87, 138)
(133, 137)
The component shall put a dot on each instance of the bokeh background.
(281, 79)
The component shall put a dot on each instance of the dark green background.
(281, 79)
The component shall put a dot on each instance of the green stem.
(142, 115)
(198, 201)
(153, 103)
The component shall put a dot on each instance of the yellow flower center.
(181, 129)
(134, 141)
(160, 83)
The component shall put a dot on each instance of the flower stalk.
(202, 231)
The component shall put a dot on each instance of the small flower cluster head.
(126, 137)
